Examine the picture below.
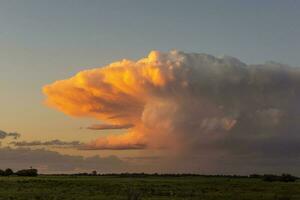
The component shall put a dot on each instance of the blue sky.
(43, 41)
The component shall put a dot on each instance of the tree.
(8, 172)
(2, 173)
(27, 172)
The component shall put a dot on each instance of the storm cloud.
(189, 102)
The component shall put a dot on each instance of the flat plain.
(144, 188)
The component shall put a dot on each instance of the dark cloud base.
(52, 162)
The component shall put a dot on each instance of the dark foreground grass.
(158, 188)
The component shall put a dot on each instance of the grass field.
(160, 188)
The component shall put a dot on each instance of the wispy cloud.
(73, 144)
(13, 135)
(109, 126)
(92, 146)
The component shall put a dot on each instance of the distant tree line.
(142, 175)
(264, 177)
(22, 172)
(169, 175)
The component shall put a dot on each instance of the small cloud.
(109, 126)
(14, 135)
(47, 143)
(113, 147)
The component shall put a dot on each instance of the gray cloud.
(4, 135)
(75, 145)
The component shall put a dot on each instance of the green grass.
(149, 188)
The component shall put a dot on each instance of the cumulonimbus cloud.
(184, 100)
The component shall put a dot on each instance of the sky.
(47, 41)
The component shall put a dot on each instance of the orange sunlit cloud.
(119, 94)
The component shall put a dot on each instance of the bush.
(288, 178)
(255, 176)
(270, 178)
